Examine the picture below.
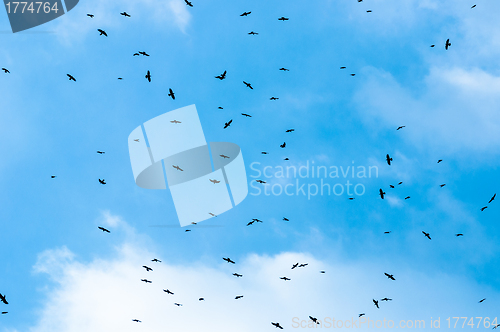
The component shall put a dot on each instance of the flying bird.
(188, 3)
(277, 325)
(386, 299)
(459, 234)
(427, 235)
(260, 181)
(388, 159)
(285, 219)
(273, 98)
(227, 124)
(171, 94)
(4, 312)
(168, 291)
(400, 127)
(440, 160)
(407, 197)
(285, 278)
(248, 85)
(264, 152)
(224, 156)
(178, 304)
(175, 121)
(246, 14)
(253, 33)
(228, 260)
(342, 67)
(136, 54)
(148, 76)
(177, 168)
(289, 130)
(295, 265)
(238, 297)
(143, 53)
(388, 232)
(376, 303)
(71, 78)
(303, 265)
(390, 276)
(201, 299)
(102, 181)
(136, 320)
(321, 271)
(237, 275)
(381, 193)
(102, 32)
(52, 176)
(156, 260)
(391, 186)
(213, 215)
(147, 268)
(492, 198)
(473, 6)
(250, 223)
(283, 145)
(282, 18)
(146, 281)
(284, 69)
(257, 220)
(125, 14)
(90, 15)
(103, 229)
(433, 45)
(247, 115)
(314, 319)
(484, 208)
(368, 11)
(214, 181)
(136, 140)
(3, 299)
(482, 300)
(400, 183)
(360, 315)
(447, 44)
(101, 152)
(222, 76)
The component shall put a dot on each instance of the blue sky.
(60, 273)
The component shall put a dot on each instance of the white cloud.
(106, 294)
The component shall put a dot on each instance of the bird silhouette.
(390, 276)
(90, 15)
(147, 268)
(214, 181)
(447, 44)
(376, 303)
(473, 6)
(238, 297)
(222, 76)
(260, 181)
(482, 300)
(253, 33)
(282, 18)
(459, 234)
(136, 320)
(175, 121)
(284, 69)
(427, 235)
(314, 319)
(177, 168)
(492, 198)
(283, 145)
(386, 299)
(103, 229)
(360, 315)
(201, 299)
(228, 260)
(303, 265)
(388, 159)
(440, 160)
(246, 14)
(143, 53)
(3, 299)
(102, 181)
(188, 3)
(285, 219)
(156, 260)
(125, 14)
(248, 85)
(146, 281)
(484, 208)
(400, 127)
(102, 32)
(224, 156)
(246, 115)
(178, 304)
(237, 275)
(407, 197)
(289, 130)
(381, 193)
(52, 176)
(171, 94)
(148, 76)
(101, 152)
(168, 292)
(71, 78)
(277, 325)
(285, 278)
(227, 124)
(295, 265)
(273, 98)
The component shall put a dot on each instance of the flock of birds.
(227, 124)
